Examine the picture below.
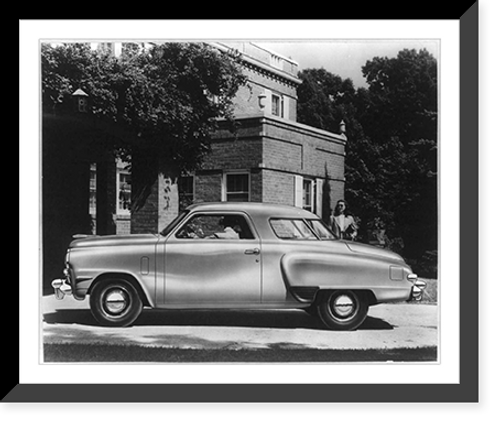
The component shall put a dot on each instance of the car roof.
(254, 209)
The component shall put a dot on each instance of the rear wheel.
(115, 302)
(342, 309)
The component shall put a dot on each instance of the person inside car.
(232, 229)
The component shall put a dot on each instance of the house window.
(186, 191)
(308, 195)
(106, 47)
(277, 105)
(124, 192)
(236, 187)
(93, 190)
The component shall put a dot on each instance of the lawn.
(122, 353)
(431, 291)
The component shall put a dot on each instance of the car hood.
(133, 239)
(365, 249)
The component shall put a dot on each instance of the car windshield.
(174, 223)
(298, 229)
(321, 230)
(292, 229)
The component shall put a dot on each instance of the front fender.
(134, 261)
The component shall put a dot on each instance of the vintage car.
(236, 256)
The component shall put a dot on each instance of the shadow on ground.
(254, 319)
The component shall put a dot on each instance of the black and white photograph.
(240, 201)
(247, 211)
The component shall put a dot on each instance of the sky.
(346, 57)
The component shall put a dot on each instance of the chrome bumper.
(417, 290)
(61, 288)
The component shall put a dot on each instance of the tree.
(324, 99)
(402, 113)
(391, 149)
(169, 96)
(403, 96)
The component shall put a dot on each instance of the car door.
(209, 264)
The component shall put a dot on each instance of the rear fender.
(309, 273)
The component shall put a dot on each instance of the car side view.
(236, 256)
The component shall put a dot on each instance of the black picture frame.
(465, 392)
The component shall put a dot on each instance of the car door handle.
(255, 251)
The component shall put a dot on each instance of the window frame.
(312, 194)
(225, 188)
(119, 172)
(308, 223)
(252, 232)
(316, 195)
(280, 218)
(280, 105)
(186, 196)
(316, 232)
(93, 189)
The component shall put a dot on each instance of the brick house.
(270, 158)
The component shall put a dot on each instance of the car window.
(321, 229)
(174, 223)
(292, 229)
(216, 226)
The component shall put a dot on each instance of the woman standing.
(343, 224)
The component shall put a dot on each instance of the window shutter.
(269, 102)
(319, 197)
(286, 107)
(299, 187)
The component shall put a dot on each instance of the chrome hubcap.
(115, 301)
(343, 306)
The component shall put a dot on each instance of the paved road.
(388, 326)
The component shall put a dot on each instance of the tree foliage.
(403, 96)
(324, 99)
(169, 95)
(391, 152)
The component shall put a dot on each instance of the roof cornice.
(262, 67)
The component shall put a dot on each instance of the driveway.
(388, 326)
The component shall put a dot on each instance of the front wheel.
(115, 302)
(342, 309)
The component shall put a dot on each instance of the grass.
(123, 353)
(430, 294)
